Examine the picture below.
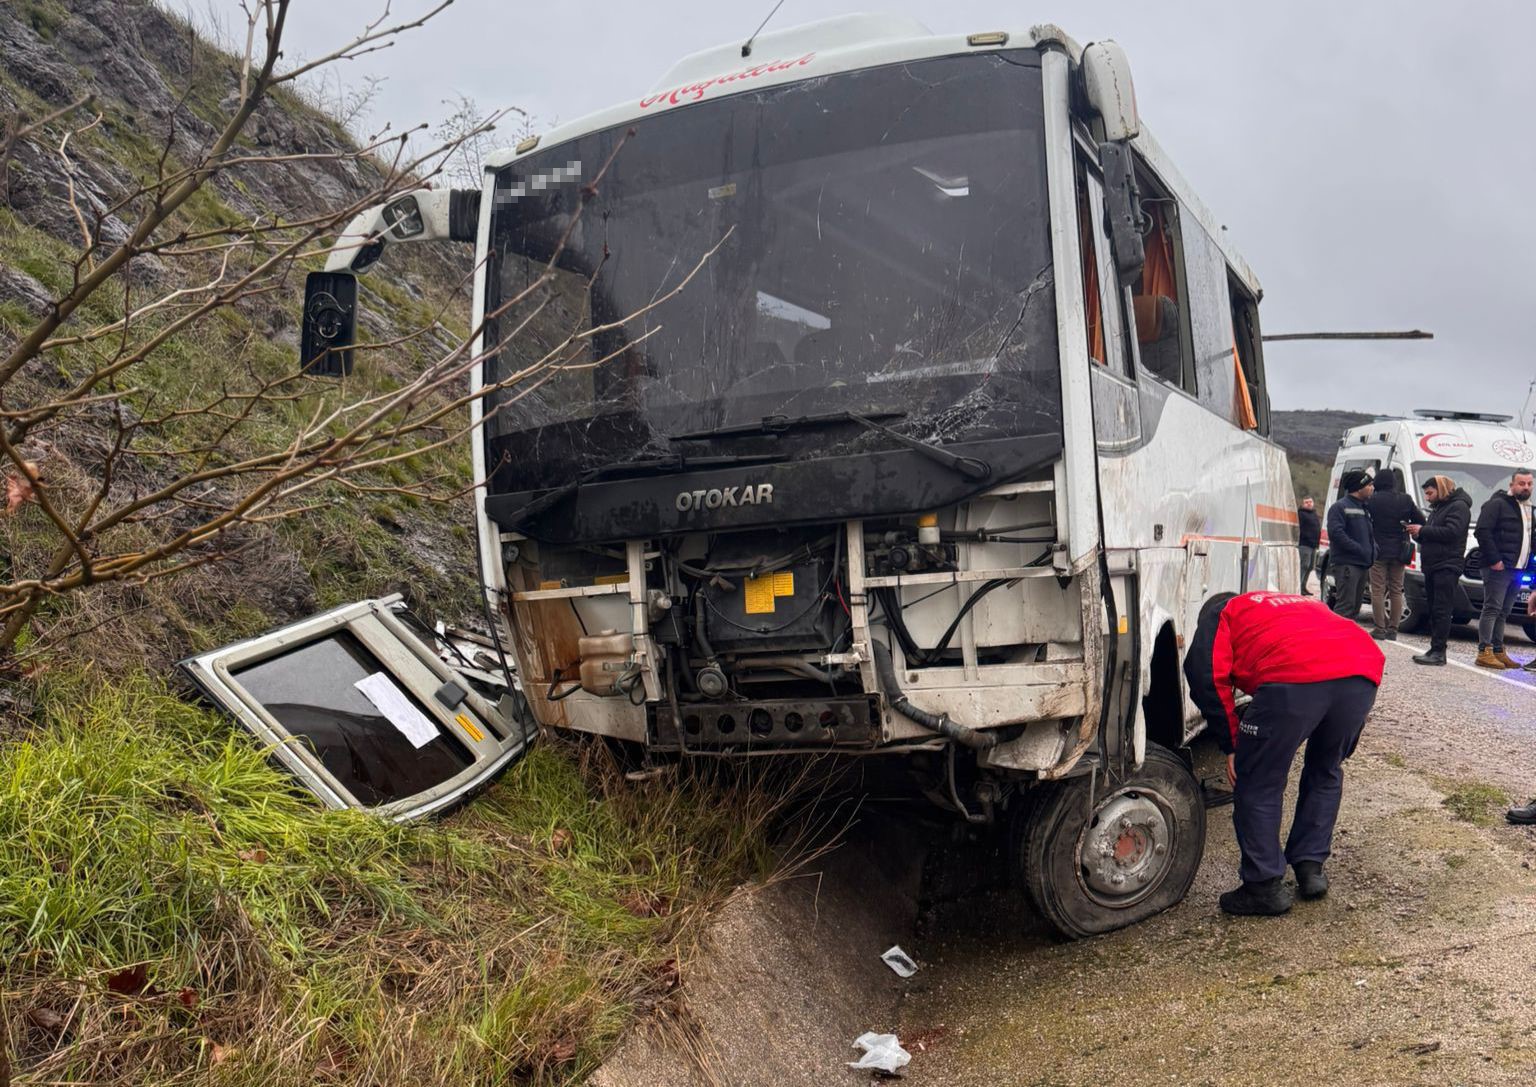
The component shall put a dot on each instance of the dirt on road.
(1417, 968)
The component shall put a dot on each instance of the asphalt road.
(1417, 968)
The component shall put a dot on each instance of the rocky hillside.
(1310, 439)
(156, 94)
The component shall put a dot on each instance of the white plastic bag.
(882, 1052)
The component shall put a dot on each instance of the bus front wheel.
(1096, 859)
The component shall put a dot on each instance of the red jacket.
(1263, 637)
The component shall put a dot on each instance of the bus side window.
(1159, 297)
(1248, 358)
(1103, 299)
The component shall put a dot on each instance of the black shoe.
(1311, 880)
(1530, 665)
(1379, 634)
(1268, 898)
(1524, 816)
(1434, 656)
(1391, 635)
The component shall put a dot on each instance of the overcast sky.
(1373, 161)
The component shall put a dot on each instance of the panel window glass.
(310, 691)
(1101, 304)
(1159, 301)
(1349, 466)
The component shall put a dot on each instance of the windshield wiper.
(778, 424)
(970, 467)
(658, 466)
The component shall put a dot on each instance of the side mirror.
(1122, 211)
(330, 324)
(403, 216)
(1109, 90)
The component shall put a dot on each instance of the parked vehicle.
(923, 405)
(1478, 450)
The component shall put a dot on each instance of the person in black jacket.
(1351, 543)
(1391, 510)
(1504, 548)
(1309, 529)
(1442, 546)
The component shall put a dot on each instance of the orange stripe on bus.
(1276, 513)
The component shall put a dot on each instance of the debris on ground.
(882, 1053)
(899, 961)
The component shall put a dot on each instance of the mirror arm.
(1122, 209)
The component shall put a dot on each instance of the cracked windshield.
(875, 242)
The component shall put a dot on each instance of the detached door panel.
(364, 712)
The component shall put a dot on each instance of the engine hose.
(785, 664)
(898, 623)
(699, 637)
(971, 602)
(933, 722)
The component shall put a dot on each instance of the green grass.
(173, 910)
(1475, 802)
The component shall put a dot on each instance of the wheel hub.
(1126, 848)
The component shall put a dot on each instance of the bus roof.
(842, 44)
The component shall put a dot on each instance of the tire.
(1415, 618)
(1066, 860)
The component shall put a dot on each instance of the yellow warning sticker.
(762, 591)
(469, 727)
(760, 595)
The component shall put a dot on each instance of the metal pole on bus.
(1411, 334)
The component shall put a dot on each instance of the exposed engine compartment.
(751, 637)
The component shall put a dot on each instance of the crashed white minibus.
(922, 405)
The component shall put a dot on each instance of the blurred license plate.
(1522, 596)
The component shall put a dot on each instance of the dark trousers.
(1308, 556)
(1439, 595)
(1349, 589)
(1327, 717)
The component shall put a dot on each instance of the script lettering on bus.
(695, 91)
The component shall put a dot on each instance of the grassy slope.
(172, 911)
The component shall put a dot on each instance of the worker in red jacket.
(1313, 676)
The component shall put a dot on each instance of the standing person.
(1351, 543)
(1313, 677)
(1391, 511)
(1442, 547)
(1309, 527)
(1504, 545)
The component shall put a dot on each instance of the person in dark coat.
(1391, 510)
(1309, 533)
(1442, 544)
(1504, 548)
(1313, 677)
(1351, 543)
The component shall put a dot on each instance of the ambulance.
(1478, 451)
